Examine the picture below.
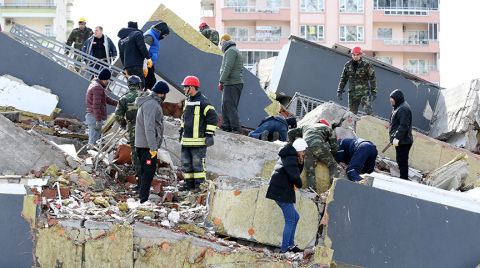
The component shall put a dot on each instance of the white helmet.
(300, 145)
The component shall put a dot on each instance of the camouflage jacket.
(126, 112)
(361, 81)
(79, 37)
(211, 34)
(316, 135)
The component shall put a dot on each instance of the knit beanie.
(300, 145)
(132, 24)
(160, 88)
(226, 37)
(105, 74)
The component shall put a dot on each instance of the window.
(48, 30)
(409, 4)
(250, 58)
(312, 5)
(351, 6)
(312, 32)
(384, 33)
(433, 31)
(238, 33)
(385, 59)
(417, 37)
(351, 33)
(417, 66)
(236, 3)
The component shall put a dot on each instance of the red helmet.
(191, 81)
(357, 50)
(202, 25)
(323, 121)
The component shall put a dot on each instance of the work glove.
(145, 72)
(220, 87)
(209, 140)
(339, 95)
(149, 63)
(98, 125)
(153, 154)
(180, 132)
(395, 142)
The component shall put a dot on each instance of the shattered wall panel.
(314, 70)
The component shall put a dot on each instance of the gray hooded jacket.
(149, 123)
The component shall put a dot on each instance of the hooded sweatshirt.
(401, 119)
(149, 122)
(231, 71)
(132, 48)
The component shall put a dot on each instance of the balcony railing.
(30, 4)
(406, 11)
(421, 70)
(406, 41)
(405, 8)
(257, 39)
(255, 9)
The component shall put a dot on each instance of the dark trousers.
(230, 99)
(363, 161)
(148, 166)
(138, 71)
(150, 80)
(402, 152)
(193, 164)
(291, 219)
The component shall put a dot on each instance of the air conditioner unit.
(9, 21)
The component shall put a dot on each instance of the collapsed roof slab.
(185, 52)
(419, 226)
(314, 70)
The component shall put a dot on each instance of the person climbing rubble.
(209, 33)
(274, 128)
(126, 114)
(149, 134)
(359, 155)
(152, 39)
(96, 100)
(322, 146)
(199, 122)
(79, 35)
(285, 177)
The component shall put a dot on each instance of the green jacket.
(316, 135)
(210, 34)
(232, 65)
(362, 81)
(126, 112)
(79, 37)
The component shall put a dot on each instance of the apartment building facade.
(49, 17)
(403, 33)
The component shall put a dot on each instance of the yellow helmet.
(82, 20)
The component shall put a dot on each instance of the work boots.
(188, 186)
(264, 136)
(276, 136)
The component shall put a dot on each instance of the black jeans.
(138, 71)
(148, 166)
(230, 99)
(402, 152)
(150, 80)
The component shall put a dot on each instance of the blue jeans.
(93, 134)
(291, 219)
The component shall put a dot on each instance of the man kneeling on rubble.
(199, 122)
(359, 155)
(274, 128)
(285, 178)
(149, 134)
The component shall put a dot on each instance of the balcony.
(406, 45)
(429, 72)
(260, 42)
(39, 4)
(417, 15)
(40, 9)
(256, 13)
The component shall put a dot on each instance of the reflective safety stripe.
(193, 141)
(196, 121)
(132, 107)
(211, 128)
(207, 108)
(199, 175)
(192, 103)
(188, 175)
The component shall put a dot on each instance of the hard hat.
(191, 81)
(300, 145)
(134, 80)
(82, 20)
(202, 25)
(323, 121)
(357, 50)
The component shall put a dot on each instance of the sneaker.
(264, 136)
(276, 136)
(294, 249)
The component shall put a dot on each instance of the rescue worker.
(322, 146)
(133, 51)
(359, 155)
(126, 115)
(401, 130)
(209, 33)
(79, 35)
(149, 134)
(360, 76)
(199, 122)
(273, 128)
(152, 38)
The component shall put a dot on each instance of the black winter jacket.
(132, 48)
(401, 119)
(285, 175)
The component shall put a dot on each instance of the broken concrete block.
(322, 176)
(451, 175)
(26, 98)
(12, 116)
(413, 174)
(54, 246)
(240, 209)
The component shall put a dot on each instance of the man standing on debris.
(322, 146)
(285, 177)
(152, 38)
(100, 46)
(126, 115)
(199, 122)
(96, 102)
(360, 75)
(79, 35)
(231, 84)
(209, 33)
(401, 130)
(274, 128)
(133, 51)
(359, 155)
(149, 134)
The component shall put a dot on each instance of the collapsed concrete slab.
(265, 70)
(240, 209)
(26, 98)
(22, 152)
(314, 70)
(426, 154)
(457, 115)
(451, 175)
(400, 232)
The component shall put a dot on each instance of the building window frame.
(417, 66)
(240, 34)
(48, 30)
(319, 32)
(384, 33)
(317, 7)
(385, 59)
(344, 35)
(351, 6)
